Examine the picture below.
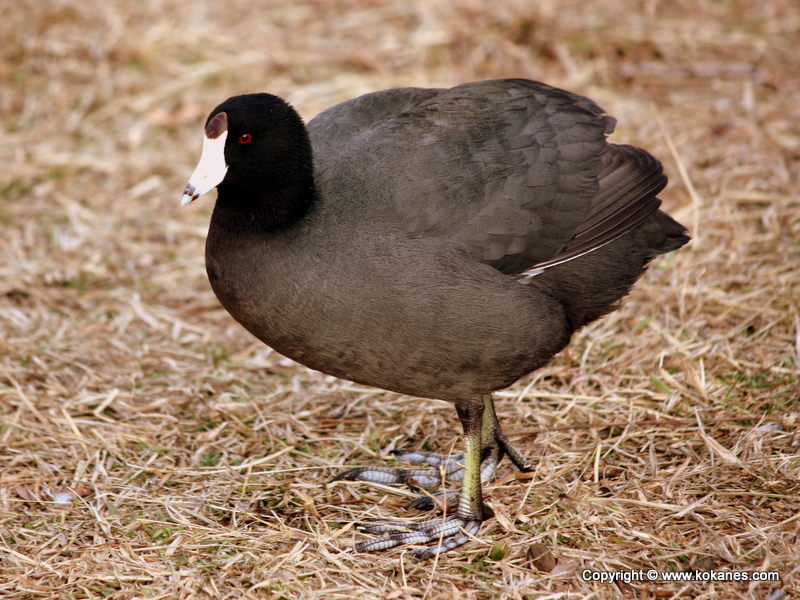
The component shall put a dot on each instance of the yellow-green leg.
(485, 446)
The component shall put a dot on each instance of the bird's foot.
(449, 465)
(413, 478)
(485, 446)
(444, 534)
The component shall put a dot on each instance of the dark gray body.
(408, 271)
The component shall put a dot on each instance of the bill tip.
(189, 194)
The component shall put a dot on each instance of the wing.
(628, 185)
(517, 173)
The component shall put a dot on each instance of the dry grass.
(151, 449)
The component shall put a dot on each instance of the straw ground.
(152, 449)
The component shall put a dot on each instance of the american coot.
(443, 243)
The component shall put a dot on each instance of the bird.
(434, 242)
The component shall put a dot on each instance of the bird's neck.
(260, 211)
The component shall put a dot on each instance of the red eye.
(245, 138)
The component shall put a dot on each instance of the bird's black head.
(258, 155)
